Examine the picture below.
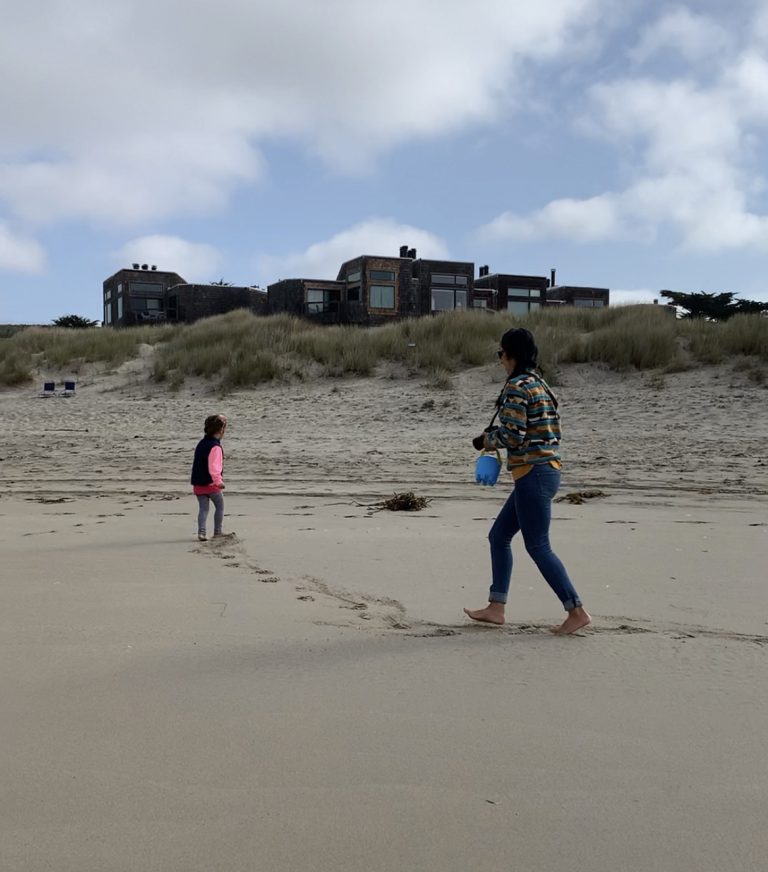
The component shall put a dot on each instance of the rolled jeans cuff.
(572, 604)
(494, 597)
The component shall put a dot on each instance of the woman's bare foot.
(493, 613)
(577, 619)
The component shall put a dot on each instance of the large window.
(382, 297)
(448, 279)
(381, 275)
(585, 303)
(108, 314)
(145, 304)
(120, 307)
(479, 303)
(447, 299)
(353, 278)
(145, 289)
(518, 307)
(321, 300)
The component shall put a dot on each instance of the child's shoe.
(202, 537)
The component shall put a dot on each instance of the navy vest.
(200, 475)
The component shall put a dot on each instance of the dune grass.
(53, 349)
(240, 349)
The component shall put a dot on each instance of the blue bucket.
(487, 469)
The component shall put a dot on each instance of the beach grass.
(240, 349)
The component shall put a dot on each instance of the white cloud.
(696, 172)
(18, 253)
(591, 220)
(195, 261)
(683, 33)
(131, 110)
(375, 236)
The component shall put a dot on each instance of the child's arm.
(216, 466)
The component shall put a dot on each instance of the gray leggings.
(218, 516)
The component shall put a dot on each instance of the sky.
(622, 142)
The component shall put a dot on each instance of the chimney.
(145, 266)
(484, 270)
(403, 251)
(412, 253)
(135, 265)
(153, 267)
(552, 273)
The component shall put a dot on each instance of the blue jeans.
(218, 516)
(529, 509)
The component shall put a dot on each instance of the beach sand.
(307, 694)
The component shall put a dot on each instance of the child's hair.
(214, 424)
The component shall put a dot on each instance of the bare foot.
(577, 619)
(493, 613)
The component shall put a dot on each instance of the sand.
(307, 694)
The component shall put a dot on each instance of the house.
(187, 303)
(510, 293)
(374, 289)
(137, 295)
(581, 297)
(323, 301)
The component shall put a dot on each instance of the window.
(108, 314)
(447, 299)
(480, 304)
(353, 277)
(442, 300)
(120, 307)
(382, 297)
(585, 303)
(443, 279)
(321, 300)
(517, 307)
(461, 280)
(120, 288)
(146, 304)
(534, 292)
(145, 289)
(107, 295)
(353, 294)
(381, 275)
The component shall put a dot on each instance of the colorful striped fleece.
(529, 424)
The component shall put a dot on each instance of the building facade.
(377, 289)
(137, 295)
(368, 290)
(510, 293)
(187, 303)
(581, 297)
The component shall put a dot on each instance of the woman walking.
(529, 430)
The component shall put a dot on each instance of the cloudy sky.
(621, 141)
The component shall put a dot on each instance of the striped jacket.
(529, 423)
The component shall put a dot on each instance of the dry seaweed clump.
(404, 502)
(578, 498)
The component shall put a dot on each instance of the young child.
(207, 481)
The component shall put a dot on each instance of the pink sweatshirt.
(215, 468)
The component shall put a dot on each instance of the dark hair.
(214, 424)
(519, 344)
